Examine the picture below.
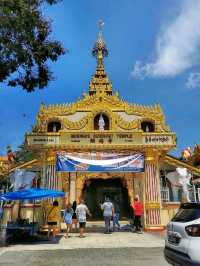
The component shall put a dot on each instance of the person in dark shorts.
(81, 211)
(74, 217)
(53, 217)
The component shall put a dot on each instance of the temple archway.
(95, 191)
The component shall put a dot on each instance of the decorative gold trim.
(152, 205)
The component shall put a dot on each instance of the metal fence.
(165, 194)
(194, 194)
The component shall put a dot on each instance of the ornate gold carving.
(94, 104)
(103, 175)
(67, 124)
(151, 156)
(127, 125)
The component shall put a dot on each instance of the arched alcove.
(54, 126)
(105, 119)
(147, 126)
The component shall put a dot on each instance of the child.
(68, 213)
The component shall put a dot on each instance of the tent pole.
(33, 217)
(19, 209)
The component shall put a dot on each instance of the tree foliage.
(24, 154)
(25, 44)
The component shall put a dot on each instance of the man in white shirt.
(108, 211)
(81, 212)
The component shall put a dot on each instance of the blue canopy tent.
(32, 194)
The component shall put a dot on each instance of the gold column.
(152, 192)
(43, 169)
(79, 185)
(130, 186)
(65, 182)
(64, 185)
(72, 187)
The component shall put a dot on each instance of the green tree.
(25, 44)
(24, 154)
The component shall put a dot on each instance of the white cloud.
(193, 81)
(177, 45)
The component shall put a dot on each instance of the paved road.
(89, 257)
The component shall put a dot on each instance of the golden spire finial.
(100, 82)
(101, 25)
(100, 50)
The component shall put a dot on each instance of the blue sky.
(153, 58)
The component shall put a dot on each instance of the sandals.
(67, 237)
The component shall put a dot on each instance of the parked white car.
(182, 244)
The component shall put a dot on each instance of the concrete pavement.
(94, 240)
(116, 249)
(86, 257)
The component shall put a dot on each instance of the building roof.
(4, 165)
(171, 160)
(4, 158)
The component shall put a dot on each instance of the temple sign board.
(84, 138)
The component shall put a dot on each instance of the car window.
(186, 215)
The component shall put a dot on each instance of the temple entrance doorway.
(96, 190)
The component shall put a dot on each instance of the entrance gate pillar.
(152, 193)
(130, 186)
(72, 187)
(43, 157)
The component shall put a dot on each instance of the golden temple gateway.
(100, 121)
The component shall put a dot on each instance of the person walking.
(81, 211)
(108, 211)
(138, 212)
(74, 217)
(68, 213)
(116, 216)
(53, 218)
